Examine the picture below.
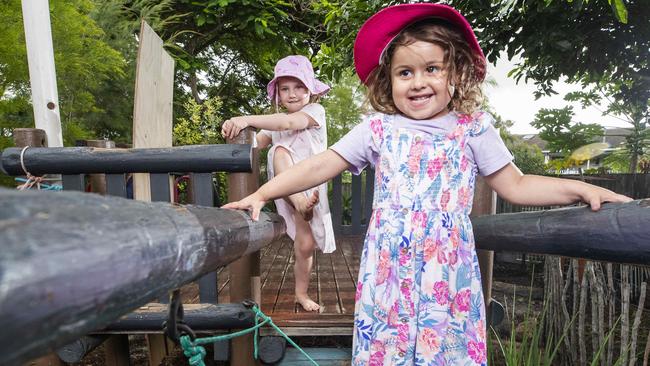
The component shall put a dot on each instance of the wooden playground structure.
(122, 240)
(80, 270)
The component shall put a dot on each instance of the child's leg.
(303, 247)
(304, 205)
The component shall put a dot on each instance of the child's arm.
(306, 174)
(263, 140)
(520, 189)
(272, 122)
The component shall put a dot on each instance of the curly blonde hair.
(462, 63)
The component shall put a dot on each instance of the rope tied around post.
(31, 179)
(193, 347)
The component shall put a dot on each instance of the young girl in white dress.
(298, 134)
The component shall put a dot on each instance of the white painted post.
(42, 75)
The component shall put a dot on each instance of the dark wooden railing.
(198, 161)
(72, 263)
(617, 233)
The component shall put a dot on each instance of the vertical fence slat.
(202, 195)
(356, 204)
(368, 196)
(337, 204)
(116, 185)
(73, 182)
(159, 187)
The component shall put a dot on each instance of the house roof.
(613, 136)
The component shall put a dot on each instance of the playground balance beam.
(617, 233)
(72, 263)
(89, 160)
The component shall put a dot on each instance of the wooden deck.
(332, 285)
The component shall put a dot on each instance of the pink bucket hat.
(300, 68)
(380, 29)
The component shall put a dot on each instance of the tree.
(637, 143)
(562, 134)
(84, 64)
(343, 106)
(603, 45)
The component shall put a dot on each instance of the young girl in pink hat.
(295, 135)
(419, 299)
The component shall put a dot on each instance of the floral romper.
(419, 299)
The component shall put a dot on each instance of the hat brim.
(315, 87)
(380, 29)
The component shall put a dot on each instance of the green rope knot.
(194, 352)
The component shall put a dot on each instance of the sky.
(516, 101)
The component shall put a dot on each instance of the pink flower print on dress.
(453, 258)
(435, 166)
(461, 301)
(402, 336)
(430, 339)
(383, 267)
(405, 289)
(404, 257)
(477, 351)
(456, 134)
(357, 296)
(377, 217)
(464, 119)
(418, 223)
(480, 330)
(444, 199)
(375, 126)
(454, 236)
(415, 155)
(441, 292)
(434, 249)
(393, 315)
(463, 197)
(463, 163)
(377, 353)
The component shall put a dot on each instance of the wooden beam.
(72, 263)
(88, 160)
(244, 272)
(617, 233)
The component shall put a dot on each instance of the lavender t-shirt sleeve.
(489, 152)
(357, 147)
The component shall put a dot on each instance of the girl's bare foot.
(306, 206)
(307, 303)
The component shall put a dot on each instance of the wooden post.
(116, 347)
(98, 181)
(35, 137)
(152, 126)
(484, 204)
(244, 272)
(42, 74)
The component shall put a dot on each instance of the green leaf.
(620, 11)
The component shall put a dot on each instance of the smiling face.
(292, 94)
(419, 82)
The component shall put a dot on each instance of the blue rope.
(44, 186)
(195, 353)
